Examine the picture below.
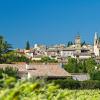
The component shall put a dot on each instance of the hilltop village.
(61, 52)
(78, 60)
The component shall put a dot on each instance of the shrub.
(73, 84)
(10, 71)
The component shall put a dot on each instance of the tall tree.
(27, 45)
(4, 46)
(69, 43)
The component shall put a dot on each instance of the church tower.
(96, 39)
(96, 45)
(78, 44)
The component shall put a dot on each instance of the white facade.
(67, 53)
(84, 57)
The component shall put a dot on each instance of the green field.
(12, 89)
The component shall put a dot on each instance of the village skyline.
(48, 21)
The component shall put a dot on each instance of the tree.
(90, 65)
(83, 43)
(27, 45)
(4, 46)
(69, 43)
(72, 65)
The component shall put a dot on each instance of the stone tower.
(96, 38)
(78, 44)
(96, 45)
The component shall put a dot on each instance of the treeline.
(83, 66)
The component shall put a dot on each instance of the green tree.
(27, 45)
(4, 46)
(83, 43)
(72, 65)
(69, 43)
(90, 65)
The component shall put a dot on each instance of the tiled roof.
(49, 70)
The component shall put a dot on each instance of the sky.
(48, 21)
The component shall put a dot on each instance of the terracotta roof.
(49, 70)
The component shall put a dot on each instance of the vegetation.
(4, 47)
(47, 59)
(74, 84)
(83, 66)
(69, 43)
(10, 71)
(13, 56)
(38, 90)
(27, 45)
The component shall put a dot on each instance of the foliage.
(69, 43)
(72, 66)
(10, 71)
(27, 45)
(80, 66)
(83, 43)
(27, 90)
(4, 47)
(95, 75)
(13, 56)
(47, 59)
(74, 84)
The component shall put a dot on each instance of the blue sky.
(48, 21)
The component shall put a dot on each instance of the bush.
(95, 75)
(10, 71)
(73, 84)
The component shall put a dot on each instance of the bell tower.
(78, 44)
(95, 39)
(96, 45)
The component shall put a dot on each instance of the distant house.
(39, 70)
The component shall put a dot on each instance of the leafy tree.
(27, 45)
(90, 65)
(72, 65)
(4, 46)
(13, 56)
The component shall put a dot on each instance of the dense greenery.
(83, 66)
(9, 56)
(13, 56)
(10, 71)
(11, 89)
(47, 59)
(4, 47)
(80, 66)
(74, 84)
